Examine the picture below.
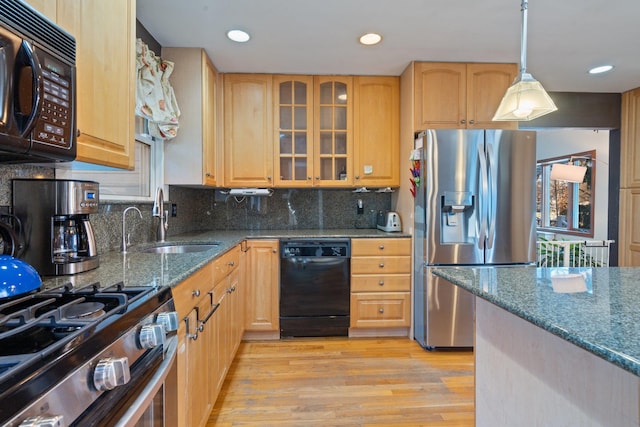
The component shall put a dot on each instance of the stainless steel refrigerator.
(474, 206)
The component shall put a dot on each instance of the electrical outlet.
(174, 210)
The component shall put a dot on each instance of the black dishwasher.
(314, 287)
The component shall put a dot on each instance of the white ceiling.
(566, 37)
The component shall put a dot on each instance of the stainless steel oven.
(89, 357)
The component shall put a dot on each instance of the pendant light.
(525, 99)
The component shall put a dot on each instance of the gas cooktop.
(37, 325)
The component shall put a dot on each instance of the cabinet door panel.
(486, 85)
(440, 99)
(333, 98)
(384, 309)
(377, 131)
(262, 287)
(105, 60)
(293, 125)
(209, 118)
(248, 149)
(46, 7)
(630, 135)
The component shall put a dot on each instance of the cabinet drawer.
(381, 265)
(381, 283)
(191, 291)
(380, 310)
(370, 247)
(226, 263)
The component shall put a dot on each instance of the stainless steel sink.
(181, 248)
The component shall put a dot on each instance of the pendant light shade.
(525, 99)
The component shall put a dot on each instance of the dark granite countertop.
(137, 268)
(599, 310)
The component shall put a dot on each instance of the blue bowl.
(17, 277)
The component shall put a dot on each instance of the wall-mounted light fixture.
(525, 99)
(570, 172)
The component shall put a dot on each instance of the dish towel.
(155, 99)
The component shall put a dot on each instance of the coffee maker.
(57, 233)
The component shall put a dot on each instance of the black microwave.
(37, 87)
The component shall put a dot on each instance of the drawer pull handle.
(381, 283)
(381, 310)
(381, 265)
(196, 293)
(381, 247)
(231, 263)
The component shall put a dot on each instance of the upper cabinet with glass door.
(293, 124)
(333, 131)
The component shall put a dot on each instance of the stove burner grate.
(84, 310)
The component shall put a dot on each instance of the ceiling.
(565, 38)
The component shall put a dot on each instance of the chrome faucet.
(158, 210)
(125, 237)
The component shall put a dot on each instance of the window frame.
(98, 173)
(543, 215)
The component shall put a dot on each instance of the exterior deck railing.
(573, 253)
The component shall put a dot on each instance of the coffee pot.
(55, 215)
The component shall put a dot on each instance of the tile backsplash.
(200, 209)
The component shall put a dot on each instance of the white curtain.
(155, 99)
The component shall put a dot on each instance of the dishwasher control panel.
(315, 248)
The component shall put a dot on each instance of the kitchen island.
(555, 347)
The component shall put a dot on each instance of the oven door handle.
(142, 402)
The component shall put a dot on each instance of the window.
(138, 184)
(562, 206)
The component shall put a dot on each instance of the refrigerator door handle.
(493, 197)
(484, 190)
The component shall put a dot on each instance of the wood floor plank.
(346, 382)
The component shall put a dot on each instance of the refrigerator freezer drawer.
(444, 314)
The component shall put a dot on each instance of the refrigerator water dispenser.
(456, 210)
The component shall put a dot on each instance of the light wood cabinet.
(460, 95)
(630, 140)
(46, 7)
(191, 155)
(105, 61)
(376, 131)
(333, 131)
(293, 131)
(262, 289)
(210, 306)
(629, 233)
(380, 286)
(193, 304)
(248, 130)
(327, 131)
(229, 317)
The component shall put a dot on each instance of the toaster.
(389, 221)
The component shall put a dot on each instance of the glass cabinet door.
(293, 124)
(333, 131)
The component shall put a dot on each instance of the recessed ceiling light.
(601, 69)
(238, 36)
(370, 39)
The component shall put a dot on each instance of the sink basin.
(180, 248)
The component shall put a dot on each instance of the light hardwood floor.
(345, 382)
